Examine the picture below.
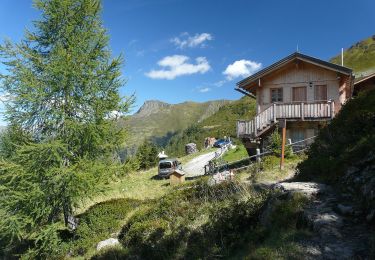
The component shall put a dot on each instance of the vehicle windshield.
(165, 165)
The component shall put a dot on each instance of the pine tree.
(147, 155)
(64, 89)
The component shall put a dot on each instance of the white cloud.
(185, 40)
(132, 42)
(204, 90)
(140, 53)
(241, 68)
(220, 83)
(178, 65)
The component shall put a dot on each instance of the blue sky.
(178, 50)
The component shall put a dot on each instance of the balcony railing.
(291, 111)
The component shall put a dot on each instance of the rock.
(191, 148)
(107, 243)
(72, 222)
(370, 217)
(345, 210)
(309, 189)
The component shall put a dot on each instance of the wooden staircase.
(296, 111)
(261, 123)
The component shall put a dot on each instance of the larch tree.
(63, 86)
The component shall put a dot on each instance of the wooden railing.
(292, 111)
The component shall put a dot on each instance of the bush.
(274, 144)
(116, 252)
(348, 139)
(98, 223)
(199, 221)
(147, 155)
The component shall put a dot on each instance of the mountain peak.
(150, 107)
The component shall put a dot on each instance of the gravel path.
(195, 167)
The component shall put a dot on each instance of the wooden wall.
(298, 74)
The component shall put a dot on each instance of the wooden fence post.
(283, 126)
(274, 113)
(332, 109)
(258, 155)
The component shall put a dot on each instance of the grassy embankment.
(103, 215)
(201, 221)
(192, 220)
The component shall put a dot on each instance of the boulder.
(309, 189)
(107, 243)
(190, 148)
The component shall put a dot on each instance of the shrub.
(274, 144)
(199, 221)
(98, 223)
(116, 252)
(348, 139)
(285, 214)
(147, 155)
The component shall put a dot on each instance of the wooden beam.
(283, 125)
(245, 93)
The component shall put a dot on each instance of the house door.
(299, 94)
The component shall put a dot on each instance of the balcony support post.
(274, 112)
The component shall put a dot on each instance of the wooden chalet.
(305, 91)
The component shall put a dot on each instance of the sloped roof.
(287, 60)
(178, 172)
(362, 79)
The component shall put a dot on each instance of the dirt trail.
(339, 231)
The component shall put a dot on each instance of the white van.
(167, 166)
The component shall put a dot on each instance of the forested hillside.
(220, 124)
(159, 121)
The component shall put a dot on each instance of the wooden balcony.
(296, 111)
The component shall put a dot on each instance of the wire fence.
(213, 167)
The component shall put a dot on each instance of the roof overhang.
(361, 80)
(245, 83)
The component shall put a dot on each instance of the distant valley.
(159, 121)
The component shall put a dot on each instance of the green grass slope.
(360, 57)
(344, 155)
(222, 123)
(159, 121)
(344, 143)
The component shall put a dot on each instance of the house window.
(276, 95)
(299, 94)
(320, 92)
(298, 134)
